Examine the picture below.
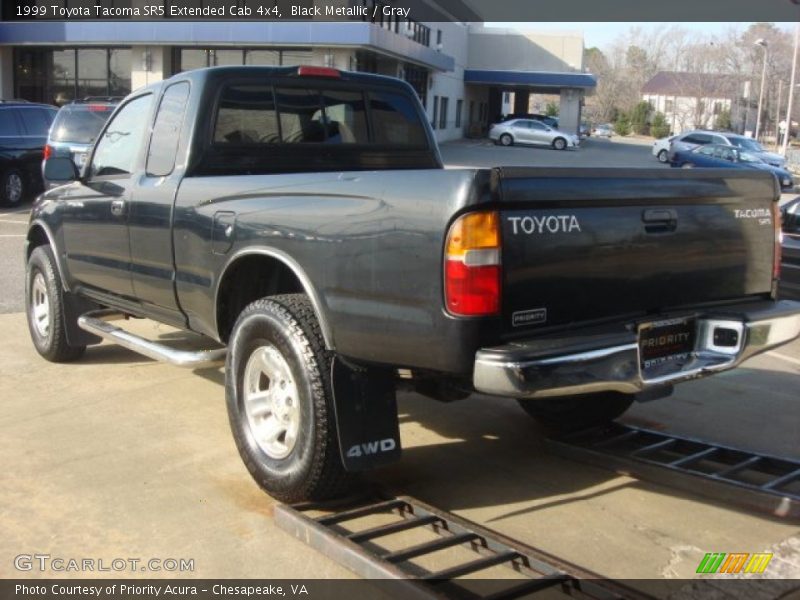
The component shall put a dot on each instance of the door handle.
(118, 208)
(660, 220)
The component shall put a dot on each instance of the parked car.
(661, 148)
(752, 146)
(690, 140)
(546, 119)
(584, 131)
(300, 220)
(693, 139)
(23, 134)
(790, 264)
(606, 131)
(529, 131)
(75, 128)
(723, 156)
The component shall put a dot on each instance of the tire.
(44, 308)
(559, 143)
(12, 188)
(506, 140)
(687, 165)
(288, 442)
(663, 156)
(577, 412)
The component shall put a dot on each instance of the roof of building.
(674, 83)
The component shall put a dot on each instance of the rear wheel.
(506, 139)
(279, 399)
(44, 307)
(663, 156)
(577, 412)
(559, 143)
(12, 188)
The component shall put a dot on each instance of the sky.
(603, 34)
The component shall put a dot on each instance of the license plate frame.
(667, 342)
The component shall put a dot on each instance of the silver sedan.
(528, 131)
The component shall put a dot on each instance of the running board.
(96, 322)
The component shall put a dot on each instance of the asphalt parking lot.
(117, 455)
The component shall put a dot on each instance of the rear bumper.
(596, 363)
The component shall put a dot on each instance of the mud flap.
(74, 307)
(365, 407)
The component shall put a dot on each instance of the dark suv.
(23, 134)
(75, 128)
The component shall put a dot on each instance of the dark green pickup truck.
(301, 220)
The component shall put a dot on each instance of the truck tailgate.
(586, 244)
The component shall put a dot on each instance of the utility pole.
(763, 43)
(778, 115)
(786, 135)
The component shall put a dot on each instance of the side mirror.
(790, 219)
(60, 169)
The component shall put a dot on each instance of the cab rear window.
(260, 114)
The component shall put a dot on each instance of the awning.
(541, 79)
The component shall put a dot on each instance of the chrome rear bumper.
(536, 370)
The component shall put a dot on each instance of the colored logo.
(742, 562)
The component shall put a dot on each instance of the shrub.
(659, 128)
(639, 116)
(622, 126)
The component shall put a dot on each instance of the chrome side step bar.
(97, 322)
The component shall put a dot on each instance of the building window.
(417, 78)
(669, 105)
(471, 112)
(459, 106)
(186, 59)
(439, 38)
(57, 76)
(435, 111)
(443, 113)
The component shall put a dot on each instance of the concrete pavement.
(116, 455)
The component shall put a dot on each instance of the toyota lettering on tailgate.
(544, 224)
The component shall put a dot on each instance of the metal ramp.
(525, 571)
(754, 481)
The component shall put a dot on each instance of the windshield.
(749, 158)
(79, 124)
(747, 144)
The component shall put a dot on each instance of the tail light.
(307, 71)
(48, 151)
(776, 255)
(472, 267)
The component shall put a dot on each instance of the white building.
(695, 100)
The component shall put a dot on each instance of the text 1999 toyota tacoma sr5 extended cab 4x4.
(300, 218)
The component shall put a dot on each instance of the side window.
(702, 138)
(246, 115)
(35, 121)
(538, 125)
(118, 147)
(345, 117)
(708, 150)
(395, 120)
(726, 153)
(167, 130)
(8, 123)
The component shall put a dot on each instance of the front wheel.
(559, 143)
(571, 413)
(44, 307)
(663, 156)
(279, 399)
(506, 139)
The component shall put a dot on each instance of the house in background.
(696, 100)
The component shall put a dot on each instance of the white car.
(528, 131)
(604, 131)
(661, 148)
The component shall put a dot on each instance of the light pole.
(791, 92)
(763, 43)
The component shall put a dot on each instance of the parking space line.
(14, 222)
(784, 357)
(2, 235)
